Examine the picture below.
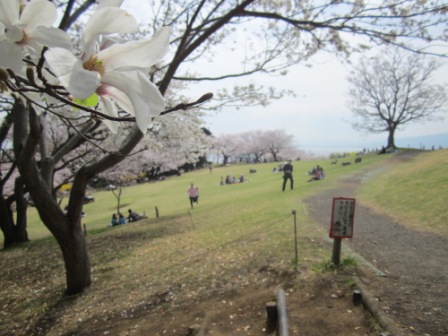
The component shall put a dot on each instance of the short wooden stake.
(85, 229)
(295, 239)
(357, 299)
(336, 258)
(272, 314)
(157, 212)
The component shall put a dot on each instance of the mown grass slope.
(415, 191)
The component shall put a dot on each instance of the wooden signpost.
(341, 226)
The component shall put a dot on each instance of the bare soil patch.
(231, 303)
(322, 306)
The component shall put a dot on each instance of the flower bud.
(4, 76)
(30, 75)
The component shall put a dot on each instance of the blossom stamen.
(94, 64)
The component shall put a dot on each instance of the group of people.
(120, 219)
(231, 180)
(317, 173)
(193, 191)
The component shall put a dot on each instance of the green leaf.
(91, 101)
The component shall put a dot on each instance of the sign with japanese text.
(342, 217)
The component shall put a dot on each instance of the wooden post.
(272, 314)
(282, 314)
(336, 258)
(85, 229)
(157, 212)
(357, 299)
(295, 238)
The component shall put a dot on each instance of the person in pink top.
(193, 193)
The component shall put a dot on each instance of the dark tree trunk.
(391, 136)
(6, 218)
(76, 259)
(225, 159)
(14, 233)
(7, 224)
(118, 196)
(65, 228)
(21, 207)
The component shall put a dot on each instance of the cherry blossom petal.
(80, 83)
(51, 37)
(110, 3)
(146, 99)
(9, 12)
(104, 21)
(14, 34)
(119, 97)
(137, 54)
(38, 13)
(11, 56)
(110, 109)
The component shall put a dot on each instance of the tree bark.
(6, 224)
(21, 207)
(65, 228)
(391, 136)
(76, 259)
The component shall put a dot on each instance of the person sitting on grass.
(318, 175)
(114, 220)
(133, 216)
(121, 219)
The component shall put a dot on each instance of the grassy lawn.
(258, 199)
(415, 192)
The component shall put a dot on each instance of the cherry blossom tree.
(228, 145)
(253, 144)
(83, 82)
(277, 141)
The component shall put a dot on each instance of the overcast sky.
(317, 116)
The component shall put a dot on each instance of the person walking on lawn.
(287, 175)
(193, 194)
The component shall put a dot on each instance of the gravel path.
(414, 291)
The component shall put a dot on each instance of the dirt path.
(414, 291)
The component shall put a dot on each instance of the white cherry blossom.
(25, 27)
(117, 74)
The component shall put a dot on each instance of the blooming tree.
(277, 141)
(228, 145)
(257, 144)
(78, 81)
(253, 144)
